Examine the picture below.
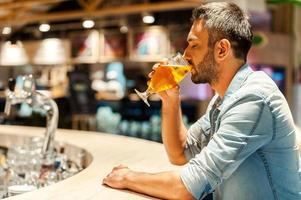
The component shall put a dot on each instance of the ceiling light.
(44, 27)
(88, 23)
(148, 18)
(124, 29)
(6, 30)
(13, 54)
(51, 51)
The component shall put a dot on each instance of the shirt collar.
(238, 79)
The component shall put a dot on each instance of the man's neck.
(227, 72)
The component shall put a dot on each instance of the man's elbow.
(186, 197)
(183, 194)
(179, 190)
(179, 160)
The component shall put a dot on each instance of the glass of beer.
(166, 76)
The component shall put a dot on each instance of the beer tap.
(28, 94)
(9, 96)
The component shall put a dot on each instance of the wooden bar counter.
(107, 151)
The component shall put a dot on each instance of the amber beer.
(166, 77)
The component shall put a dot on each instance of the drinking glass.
(166, 76)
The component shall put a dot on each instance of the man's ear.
(222, 49)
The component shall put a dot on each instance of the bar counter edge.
(107, 151)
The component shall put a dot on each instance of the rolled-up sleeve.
(198, 137)
(244, 127)
(198, 134)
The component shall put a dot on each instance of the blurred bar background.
(89, 55)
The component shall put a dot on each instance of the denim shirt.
(244, 147)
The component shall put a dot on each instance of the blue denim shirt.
(244, 147)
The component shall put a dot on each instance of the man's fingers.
(122, 166)
(155, 66)
(104, 180)
(175, 91)
(151, 74)
(164, 61)
(107, 181)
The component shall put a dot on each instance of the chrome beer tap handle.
(28, 94)
(9, 95)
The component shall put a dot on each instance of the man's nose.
(186, 55)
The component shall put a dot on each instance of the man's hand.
(164, 185)
(167, 95)
(171, 94)
(116, 178)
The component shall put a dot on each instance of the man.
(244, 147)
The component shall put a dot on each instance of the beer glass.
(166, 76)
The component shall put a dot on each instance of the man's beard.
(206, 71)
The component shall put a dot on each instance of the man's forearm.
(174, 132)
(165, 185)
